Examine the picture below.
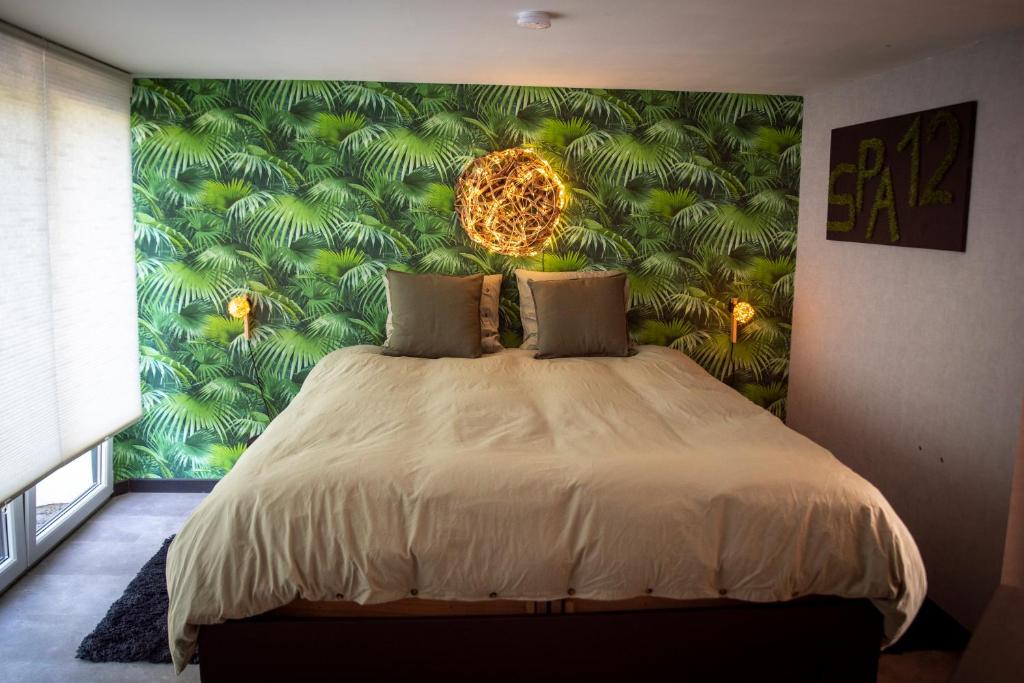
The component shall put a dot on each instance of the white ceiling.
(780, 46)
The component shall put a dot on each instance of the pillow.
(434, 316)
(527, 311)
(581, 317)
(490, 303)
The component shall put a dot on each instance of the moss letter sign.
(903, 181)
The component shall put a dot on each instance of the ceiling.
(781, 46)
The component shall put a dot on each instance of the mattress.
(514, 479)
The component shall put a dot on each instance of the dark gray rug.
(135, 627)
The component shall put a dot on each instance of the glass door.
(13, 549)
(32, 524)
(62, 501)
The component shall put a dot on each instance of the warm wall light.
(240, 307)
(510, 201)
(741, 313)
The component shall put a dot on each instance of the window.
(13, 551)
(35, 522)
(67, 260)
(58, 494)
(66, 219)
(5, 545)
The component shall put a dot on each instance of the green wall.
(304, 192)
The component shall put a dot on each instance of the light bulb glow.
(743, 312)
(239, 307)
(510, 201)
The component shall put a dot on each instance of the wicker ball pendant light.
(510, 201)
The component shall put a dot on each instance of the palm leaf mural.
(288, 351)
(302, 193)
(377, 98)
(287, 217)
(174, 148)
(182, 415)
(683, 207)
(155, 98)
(256, 163)
(729, 106)
(158, 236)
(559, 134)
(704, 175)
(134, 459)
(180, 283)
(602, 104)
(300, 117)
(624, 156)
(402, 150)
(589, 235)
(448, 124)
(783, 143)
(729, 226)
(334, 264)
(349, 131)
(218, 122)
(284, 94)
(210, 359)
(675, 333)
(224, 456)
(161, 367)
(512, 98)
(365, 230)
(771, 396)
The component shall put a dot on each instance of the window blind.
(68, 339)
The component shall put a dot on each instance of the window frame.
(12, 517)
(29, 546)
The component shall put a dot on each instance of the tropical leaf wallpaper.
(303, 192)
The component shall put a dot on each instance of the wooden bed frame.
(807, 639)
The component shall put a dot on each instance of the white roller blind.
(68, 342)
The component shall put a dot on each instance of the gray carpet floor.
(45, 615)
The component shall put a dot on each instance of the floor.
(46, 614)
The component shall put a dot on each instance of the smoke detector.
(533, 19)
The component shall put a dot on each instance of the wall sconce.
(740, 313)
(240, 308)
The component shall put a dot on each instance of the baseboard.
(164, 486)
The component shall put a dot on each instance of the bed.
(399, 505)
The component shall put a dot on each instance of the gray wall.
(909, 363)
(1013, 557)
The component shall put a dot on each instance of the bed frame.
(807, 639)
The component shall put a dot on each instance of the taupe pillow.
(434, 316)
(581, 317)
(528, 312)
(490, 305)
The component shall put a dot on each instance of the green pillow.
(434, 316)
(581, 317)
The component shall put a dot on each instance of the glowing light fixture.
(510, 201)
(741, 313)
(240, 308)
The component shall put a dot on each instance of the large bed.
(504, 496)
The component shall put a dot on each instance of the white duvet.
(459, 478)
